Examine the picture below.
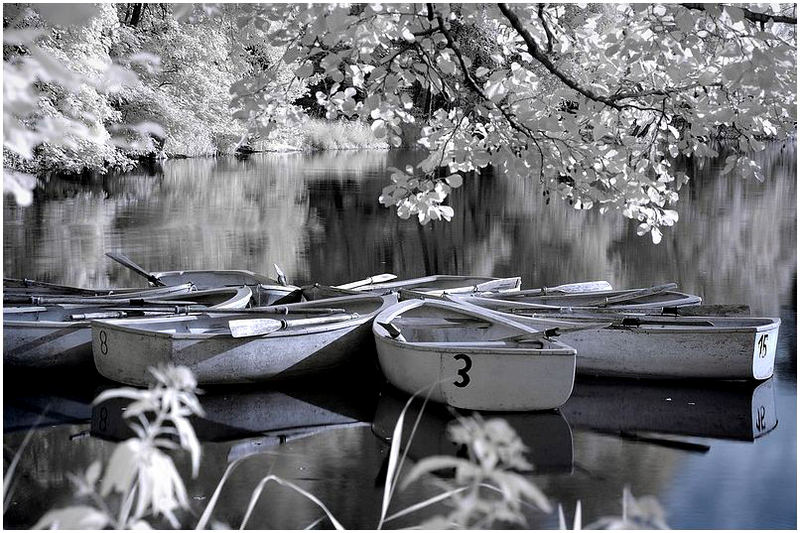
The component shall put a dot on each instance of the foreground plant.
(637, 513)
(141, 487)
(140, 482)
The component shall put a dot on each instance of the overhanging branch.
(536, 52)
(750, 15)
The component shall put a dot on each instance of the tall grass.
(318, 135)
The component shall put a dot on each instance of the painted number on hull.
(761, 415)
(102, 423)
(103, 343)
(762, 345)
(462, 372)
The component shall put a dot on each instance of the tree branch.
(536, 52)
(550, 38)
(750, 15)
(453, 45)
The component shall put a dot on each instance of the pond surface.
(710, 453)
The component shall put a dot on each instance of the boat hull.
(46, 345)
(51, 344)
(125, 350)
(729, 350)
(265, 290)
(496, 379)
(126, 354)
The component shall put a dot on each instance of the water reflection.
(279, 413)
(547, 434)
(318, 217)
(722, 410)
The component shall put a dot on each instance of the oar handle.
(568, 288)
(127, 262)
(300, 322)
(555, 332)
(639, 294)
(257, 327)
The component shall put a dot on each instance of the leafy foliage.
(57, 80)
(592, 101)
(140, 477)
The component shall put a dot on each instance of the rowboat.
(262, 344)
(266, 291)
(658, 297)
(547, 434)
(471, 358)
(57, 334)
(666, 347)
(741, 411)
(21, 290)
(445, 284)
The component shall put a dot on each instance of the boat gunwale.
(128, 325)
(238, 295)
(398, 309)
(772, 323)
(563, 350)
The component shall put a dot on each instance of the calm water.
(693, 447)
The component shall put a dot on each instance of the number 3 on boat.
(471, 358)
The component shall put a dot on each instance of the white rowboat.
(666, 347)
(266, 291)
(22, 290)
(58, 335)
(309, 337)
(471, 358)
(628, 299)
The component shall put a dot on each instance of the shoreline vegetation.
(136, 83)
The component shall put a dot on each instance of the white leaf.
(455, 180)
(75, 517)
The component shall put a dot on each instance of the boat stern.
(125, 355)
(765, 345)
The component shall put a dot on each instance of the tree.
(594, 102)
(57, 81)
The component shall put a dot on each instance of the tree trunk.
(137, 14)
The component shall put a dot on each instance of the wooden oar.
(378, 278)
(554, 332)
(57, 300)
(256, 327)
(633, 295)
(128, 263)
(281, 276)
(584, 286)
(275, 310)
(106, 314)
(12, 310)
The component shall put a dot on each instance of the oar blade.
(253, 327)
(127, 262)
(281, 276)
(584, 286)
(378, 278)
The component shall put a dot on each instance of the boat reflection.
(546, 433)
(741, 411)
(273, 415)
(35, 399)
